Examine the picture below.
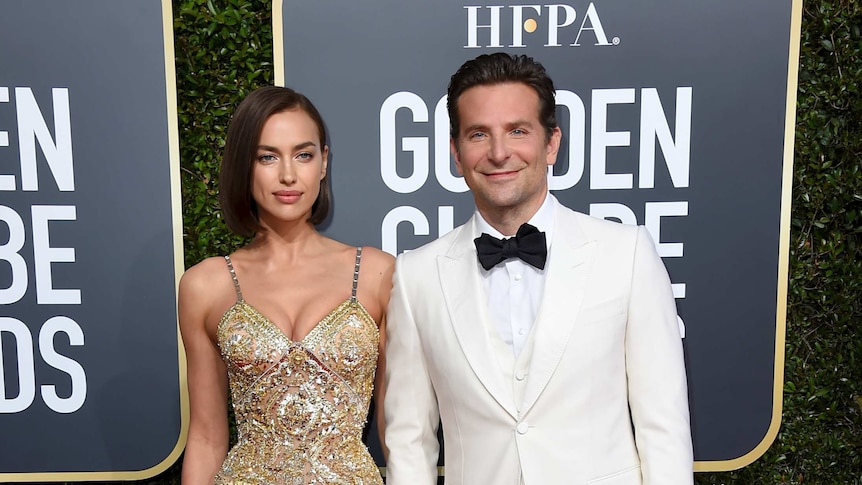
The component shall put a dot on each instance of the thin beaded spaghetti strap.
(356, 273)
(233, 276)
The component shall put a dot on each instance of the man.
(565, 370)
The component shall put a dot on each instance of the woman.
(286, 323)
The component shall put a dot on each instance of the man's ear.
(552, 148)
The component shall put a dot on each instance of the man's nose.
(498, 150)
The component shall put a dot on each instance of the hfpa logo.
(557, 19)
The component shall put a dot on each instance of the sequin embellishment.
(300, 407)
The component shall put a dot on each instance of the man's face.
(502, 151)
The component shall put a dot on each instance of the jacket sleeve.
(410, 404)
(657, 387)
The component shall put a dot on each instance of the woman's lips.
(287, 196)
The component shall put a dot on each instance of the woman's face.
(288, 168)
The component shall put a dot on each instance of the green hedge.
(224, 50)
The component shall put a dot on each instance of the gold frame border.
(278, 41)
(179, 265)
(783, 238)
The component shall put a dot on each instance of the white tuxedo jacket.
(605, 399)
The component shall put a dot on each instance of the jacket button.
(522, 428)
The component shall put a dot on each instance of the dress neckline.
(352, 300)
(315, 329)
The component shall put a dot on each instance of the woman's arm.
(380, 389)
(382, 267)
(207, 442)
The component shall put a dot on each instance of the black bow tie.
(528, 244)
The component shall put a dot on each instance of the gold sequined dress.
(300, 407)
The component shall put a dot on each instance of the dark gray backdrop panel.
(349, 57)
(111, 57)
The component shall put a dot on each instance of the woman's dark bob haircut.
(240, 150)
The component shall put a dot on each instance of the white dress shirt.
(513, 288)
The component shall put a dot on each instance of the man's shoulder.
(429, 251)
(594, 227)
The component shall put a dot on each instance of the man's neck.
(507, 220)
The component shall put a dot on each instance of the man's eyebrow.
(475, 128)
(512, 124)
(515, 123)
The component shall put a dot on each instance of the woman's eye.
(305, 156)
(266, 157)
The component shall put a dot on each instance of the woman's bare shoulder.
(206, 291)
(206, 279)
(205, 271)
(377, 261)
(377, 269)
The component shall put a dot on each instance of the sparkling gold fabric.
(300, 407)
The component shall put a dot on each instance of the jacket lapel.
(467, 305)
(569, 266)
